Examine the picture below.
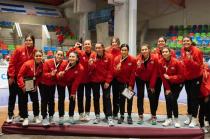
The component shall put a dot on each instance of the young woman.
(171, 72)
(28, 79)
(157, 51)
(47, 87)
(70, 74)
(192, 58)
(87, 55)
(124, 72)
(204, 99)
(101, 70)
(146, 74)
(114, 50)
(19, 56)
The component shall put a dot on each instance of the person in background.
(114, 50)
(171, 73)
(146, 74)
(192, 58)
(124, 72)
(31, 71)
(71, 74)
(47, 87)
(19, 56)
(101, 70)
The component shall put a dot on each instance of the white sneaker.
(37, 120)
(205, 130)
(193, 122)
(10, 119)
(19, 119)
(110, 121)
(167, 122)
(96, 120)
(45, 122)
(206, 123)
(82, 117)
(61, 121)
(51, 120)
(87, 116)
(71, 120)
(25, 122)
(176, 123)
(188, 120)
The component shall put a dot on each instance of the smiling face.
(187, 42)
(145, 51)
(59, 56)
(166, 53)
(38, 57)
(124, 51)
(29, 42)
(99, 49)
(87, 46)
(73, 58)
(161, 42)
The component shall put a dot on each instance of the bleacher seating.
(200, 34)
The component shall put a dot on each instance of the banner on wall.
(3, 77)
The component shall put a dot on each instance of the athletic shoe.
(37, 120)
(110, 121)
(10, 119)
(87, 116)
(140, 120)
(193, 122)
(96, 120)
(188, 120)
(25, 122)
(45, 122)
(71, 120)
(176, 123)
(61, 121)
(120, 120)
(82, 117)
(129, 120)
(167, 122)
(154, 120)
(205, 130)
(51, 120)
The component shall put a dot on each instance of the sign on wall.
(3, 77)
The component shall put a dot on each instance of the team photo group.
(92, 71)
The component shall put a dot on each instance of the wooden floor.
(161, 109)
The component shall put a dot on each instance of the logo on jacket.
(172, 68)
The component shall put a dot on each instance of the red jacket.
(27, 71)
(19, 56)
(102, 69)
(205, 85)
(126, 74)
(174, 69)
(193, 67)
(48, 67)
(114, 51)
(72, 77)
(150, 72)
(84, 58)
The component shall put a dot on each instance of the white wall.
(196, 12)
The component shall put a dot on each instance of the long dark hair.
(30, 36)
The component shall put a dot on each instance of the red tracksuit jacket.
(84, 58)
(205, 85)
(27, 71)
(102, 69)
(150, 72)
(174, 69)
(72, 77)
(126, 74)
(48, 67)
(193, 67)
(114, 51)
(19, 56)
